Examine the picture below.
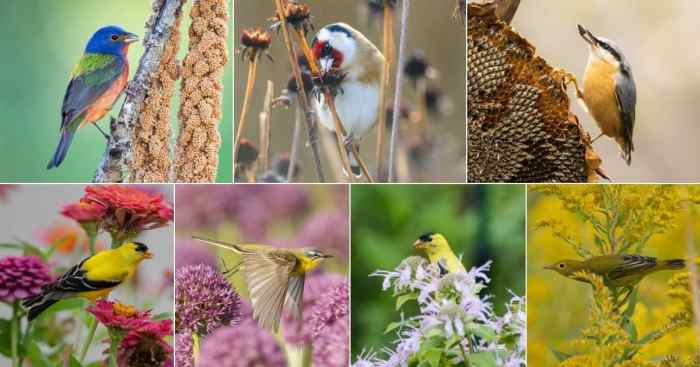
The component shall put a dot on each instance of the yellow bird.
(616, 270)
(439, 252)
(274, 276)
(94, 277)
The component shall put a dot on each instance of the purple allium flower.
(204, 300)
(328, 229)
(189, 252)
(183, 350)
(243, 345)
(316, 284)
(330, 327)
(22, 277)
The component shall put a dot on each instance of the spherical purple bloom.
(330, 327)
(243, 345)
(183, 350)
(190, 252)
(328, 229)
(204, 300)
(22, 277)
(316, 284)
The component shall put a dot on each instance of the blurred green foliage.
(43, 40)
(482, 222)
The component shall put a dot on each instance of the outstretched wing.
(268, 275)
(92, 77)
(224, 245)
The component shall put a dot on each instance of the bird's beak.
(325, 63)
(326, 256)
(148, 255)
(418, 245)
(549, 267)
(587, 35)
(130, 38)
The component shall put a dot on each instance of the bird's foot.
(105, 135)
(349, 141)
(566, 78)
(596, 138)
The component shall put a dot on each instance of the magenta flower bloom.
(145, 346)
(183, 350)
(22, 277)
(204, 300)
(115, 315)
(330, 327)
(243, 345)
(85, 211)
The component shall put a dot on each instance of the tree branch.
(118, 153)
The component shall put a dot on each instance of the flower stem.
(113, 352)
(195, 348)
(252, 69)
(465, 355)
(88, 341)
(14, 333)
(397, 90)
(92, 238)
(386, 70)
(295, 145)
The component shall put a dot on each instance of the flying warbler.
(616, 270)
(94, 277)
(275, 277)
(435, 246)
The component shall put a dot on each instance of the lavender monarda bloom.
(204, 300)
(243, 345)
(22, 277)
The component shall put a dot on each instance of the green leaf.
(482, 359)
(162, 316)
(393, 326)
(561, 356)
(400, 300)
(432, 356)
(482, 331)
(36, 356)
(11, 246)
(73, 362)
(5, 337)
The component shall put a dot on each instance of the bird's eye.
(561, 266)
(114, 37)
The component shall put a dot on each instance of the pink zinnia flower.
(84, 211)
(115, 315)
(22, 277)
(145, 347)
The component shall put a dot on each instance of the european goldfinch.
(94, 277)
(275, 277)
(339, 46)
(439, 252)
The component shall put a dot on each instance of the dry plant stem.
(397, 90)
(296, 135)
(330, 102)
(265, 121)
(330, 147)
(309, 116)
(118, 153)
(252, 70)
(383, 89)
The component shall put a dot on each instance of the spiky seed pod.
(255, 41)
(197, 152)
(151, 159)
(519, 124)
(297, 15)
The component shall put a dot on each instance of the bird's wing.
(626, 93)
(442, 265)
(295, 294)
(630, 265)
(92, 77)
(76, 280)
(225, 245)
(268, 277)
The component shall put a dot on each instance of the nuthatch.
(609, 92)
(339, 46)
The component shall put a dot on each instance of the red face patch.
(324, 49)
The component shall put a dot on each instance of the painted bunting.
(97, 81)
(616, 270)
(438, 250)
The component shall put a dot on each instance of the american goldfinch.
(341, 47)
(438, 250)
(616, 270)
(275, 277)
(94, 277)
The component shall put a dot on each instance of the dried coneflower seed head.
(329, 81)
(298, 15)
(253, 42)
(247, 153)
(417, 67)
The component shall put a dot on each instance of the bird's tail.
(62, 148)
(673, 264)
(626, 149)
(37, 305)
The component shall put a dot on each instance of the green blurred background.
(42, 42)
(481, 222)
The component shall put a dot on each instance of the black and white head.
(602, 49)
(336, 46)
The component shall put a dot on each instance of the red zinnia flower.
(145, 346)
(84, 211)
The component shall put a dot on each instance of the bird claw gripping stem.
(567, 78)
